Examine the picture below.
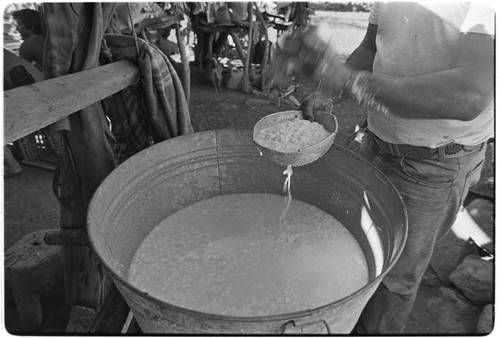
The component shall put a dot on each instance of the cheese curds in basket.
(302, 156)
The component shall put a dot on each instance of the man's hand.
(315, 101)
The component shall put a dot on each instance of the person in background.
(28, 24)
(425, 73)
(11, 167)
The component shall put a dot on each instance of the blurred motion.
(309, 52)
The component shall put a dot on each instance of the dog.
(215, 73)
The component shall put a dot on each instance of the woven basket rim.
(302, 156)
(300, 151)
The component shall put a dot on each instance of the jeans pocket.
(430, 173)
(471, 179)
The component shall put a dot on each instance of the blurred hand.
(294, 51)
(308, 53)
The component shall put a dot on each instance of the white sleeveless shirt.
(435, 27)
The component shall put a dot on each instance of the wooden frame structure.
(33, 107)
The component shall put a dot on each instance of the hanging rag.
(73, 34)
(167, 110)
(84, 141)
(126, 112)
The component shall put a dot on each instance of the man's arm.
(461, 93)
(25, 53)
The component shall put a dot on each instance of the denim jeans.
(433, 192)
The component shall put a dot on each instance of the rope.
(286, 188)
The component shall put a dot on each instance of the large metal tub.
(168, 176)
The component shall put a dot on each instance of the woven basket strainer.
(302, 156)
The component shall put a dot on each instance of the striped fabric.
(165, 105)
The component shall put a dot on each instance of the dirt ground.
(29, 204)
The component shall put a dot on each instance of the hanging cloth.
(167, 110)
(73, 34)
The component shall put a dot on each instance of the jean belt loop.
(441, 153)
(394, 149)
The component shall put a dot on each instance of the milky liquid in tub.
(230, 255)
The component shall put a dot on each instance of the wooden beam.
(30, 108)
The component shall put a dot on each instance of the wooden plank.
(30, 108)
(112, 314)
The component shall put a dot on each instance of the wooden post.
(186, 77)
(237, 43)
(246, 86)
(112, 314)
(263, 64)
(33, 268)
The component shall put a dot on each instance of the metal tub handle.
(302, 323)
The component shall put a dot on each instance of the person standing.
(425, 73)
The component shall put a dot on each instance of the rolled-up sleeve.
(480, 19)
(373, 18)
